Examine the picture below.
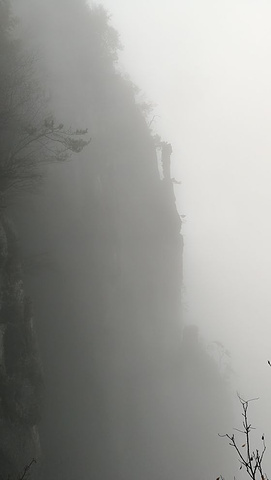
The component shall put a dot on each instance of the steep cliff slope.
(108, 300)
(21, 382)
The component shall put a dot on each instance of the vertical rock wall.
(122, 390)
(20, 369)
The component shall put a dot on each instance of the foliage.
(106, 35)
(222, 357)
(29, 136)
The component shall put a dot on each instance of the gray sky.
(206, 65)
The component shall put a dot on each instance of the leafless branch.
(251, 460)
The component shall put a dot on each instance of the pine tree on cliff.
(29, 135)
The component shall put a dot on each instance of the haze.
(207, 66)
(145, 248)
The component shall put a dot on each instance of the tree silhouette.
(250, 459)
(29, 135)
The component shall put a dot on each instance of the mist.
(210, 74)
(134, 236)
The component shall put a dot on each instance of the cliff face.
(21, 381)
(110, 312)
(107, 302)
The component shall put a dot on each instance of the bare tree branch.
(252, 460)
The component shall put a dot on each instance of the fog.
(144, 244)
(206, 66)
